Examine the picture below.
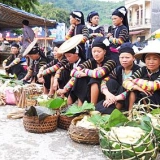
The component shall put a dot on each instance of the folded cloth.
(41, 112)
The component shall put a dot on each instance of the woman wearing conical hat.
(145, 82)
(73, 56)
(57, 58)
(88, 75)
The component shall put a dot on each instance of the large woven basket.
(81, 134)
(64, 122)
(34, 125)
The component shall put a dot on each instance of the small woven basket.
(34, 125)
(64, 122)
(81, 134)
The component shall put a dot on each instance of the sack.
(10, 97)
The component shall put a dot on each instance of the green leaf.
(56, 103)
(116, 118)
(155, 111)
(74, 109)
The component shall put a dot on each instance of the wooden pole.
(45, 38)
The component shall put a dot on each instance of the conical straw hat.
(31, 45)
(152, 47)
(70, 43)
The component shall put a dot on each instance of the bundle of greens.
(124, 139)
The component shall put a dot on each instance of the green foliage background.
(104, 9)
(60, 9)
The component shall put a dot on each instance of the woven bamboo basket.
(64, 122)
(145, 147)
(34, 125)
(81, 134)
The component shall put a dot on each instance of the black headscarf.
(101, 42)
(91, 15)
(77, 50)
(122, 12)
(79, 16)
(58, 43)
(14, 45)
(127, 47)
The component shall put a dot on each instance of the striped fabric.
(34, 68)
(58, 73)
(147, 85)
(84, 31)
(55, 67)
(95, 73)
(137, 79)
(16, 60)
(123, 36)
(70, 84)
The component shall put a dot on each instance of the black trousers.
(115, 88)
(18, 70)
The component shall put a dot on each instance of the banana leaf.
(56, 103)
(74, 109)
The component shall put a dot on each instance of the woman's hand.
(109, 35)
(6, 67)
(109, 96)
(61, 92)
(107, 103)
(41, 80)
(81, 74)
(39, 75)
(72, 26)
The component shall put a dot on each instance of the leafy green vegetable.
(56, 103)
(116, 118)
(74, 109)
